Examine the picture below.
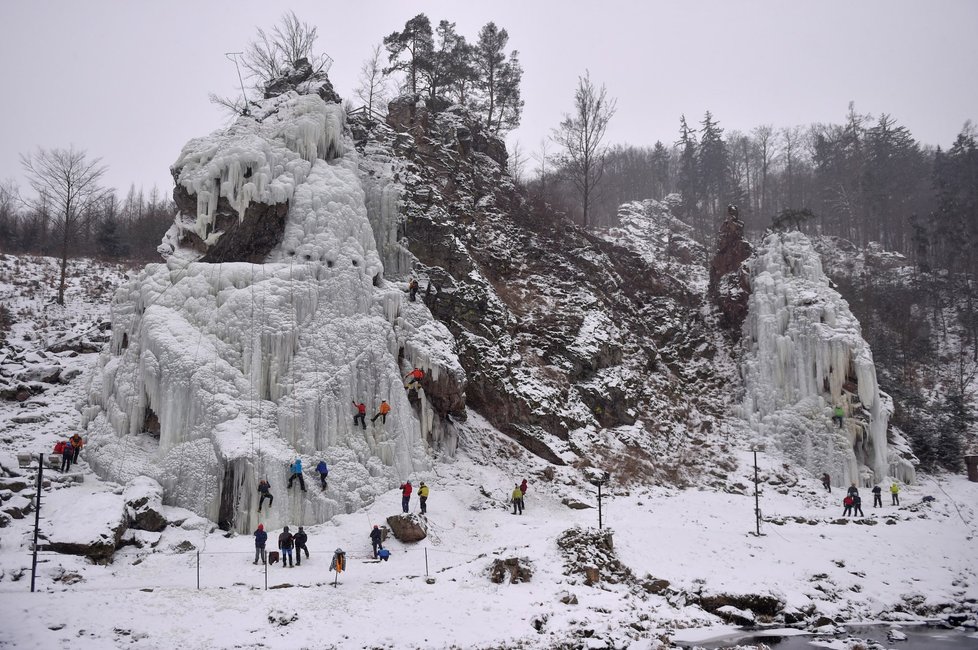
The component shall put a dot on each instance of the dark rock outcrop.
(247, 239)
(302, 72)
(513, 570)
(144, 504)
(729, 278)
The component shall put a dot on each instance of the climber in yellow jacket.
(895, 493)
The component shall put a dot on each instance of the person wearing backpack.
(323, 473)
(847, 502)
(877, 496)
(300, 546)
(517, 499)
(66, 457)
(260, 538)
(857, 506)
(285, 544)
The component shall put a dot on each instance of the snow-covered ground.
(676, 548)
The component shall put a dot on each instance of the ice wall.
(220, 374)
(804, 356)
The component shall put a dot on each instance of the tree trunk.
(64, 267)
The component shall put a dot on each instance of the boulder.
(408, 528)
(513, 570)
(144, 504)
(91, 527)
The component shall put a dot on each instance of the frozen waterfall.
(804, 357)
(218, 375)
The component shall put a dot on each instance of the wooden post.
(37, 517)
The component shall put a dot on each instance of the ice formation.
(218, 375)
(804, 356)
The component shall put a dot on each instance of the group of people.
(853, 503)
(407, 489)
(286, 543)
(361, 414)
(295, 474)
(69, 450)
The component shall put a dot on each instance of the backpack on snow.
(272, 557)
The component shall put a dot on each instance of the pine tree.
(417, 44)
(687, 179)
(498, 80)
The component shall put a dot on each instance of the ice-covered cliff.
(222, 372)
(804, 356)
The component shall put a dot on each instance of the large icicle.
(805, 356)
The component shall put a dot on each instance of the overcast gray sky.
(128, 80)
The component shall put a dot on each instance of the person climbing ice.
(416, 376)
(296, 473)
(264, 489)
(413, 289)
(837, 415)
(361, 414)
(323, 471)
(382, 412)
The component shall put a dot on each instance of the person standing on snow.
(852, 491)
(827, 482)
(285, 543)
(406, 490)
(264, 489)
(517, 499)
(66, 457)
(296, 469)
(323, 470)
(260, 538)
(423, 497)
(361, 414)
(375, 538)
(895, 493)
(877, 496)
(847, 502)
(857, 506)
(382, 412)
(76, 445)
(523, 490)
(300, 546)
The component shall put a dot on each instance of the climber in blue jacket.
(323, 472)
(296, 468)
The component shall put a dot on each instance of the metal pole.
(37, 517)
(265, 562)
(244, 100)
(198, 569)
(599, 506)
(757, 502)
(426, 561)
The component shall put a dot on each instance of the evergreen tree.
(716, 180)
(498, 80)
(416, 44)
(687, 178)
(659, 170)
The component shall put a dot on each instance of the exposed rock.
(574, 504)
(729, 279)
(736, 616)
(92, 527)
(247, 239)
(408, 528)
(13, 484)
(513, 570)
(302, 78)
(591, 552)
(567, 598)
(656, 586)
(144, 504)
(759, 604)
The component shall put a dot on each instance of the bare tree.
(542, 158)
(70, 183)
(580, 134)
(373, 89)
(517, 163)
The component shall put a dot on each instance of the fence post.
(37, 516)
(198, 569)
(426, 561)
(265, 562)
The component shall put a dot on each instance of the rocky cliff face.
(562, 333)
(729, 277)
